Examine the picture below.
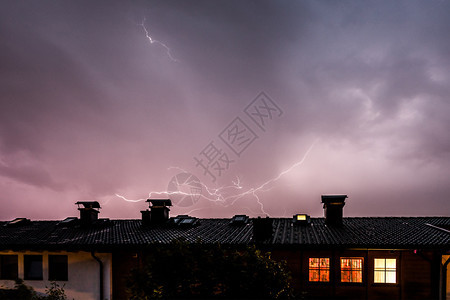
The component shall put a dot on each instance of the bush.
(183, 270)
(25, 292)
(55, 292)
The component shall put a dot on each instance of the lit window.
(319, 269)
(385, 270)
(32, 267)
(351, 269)
(301, 217)
(57, 267)
(8, 267)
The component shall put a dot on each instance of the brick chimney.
(333, 209)
(89, 212)
(158, 213)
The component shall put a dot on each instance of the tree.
(183, 270)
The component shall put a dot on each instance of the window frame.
(55, 272)
(28, 265)
(3, 267)
(351, 269)
(320, 269)
(395, 271)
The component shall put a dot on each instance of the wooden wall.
(417, 275)
(122, 263)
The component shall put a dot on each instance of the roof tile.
(382, 232)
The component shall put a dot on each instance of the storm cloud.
(91, 109)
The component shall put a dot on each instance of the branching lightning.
(153, 41)
(222, 195)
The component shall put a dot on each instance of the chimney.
(89, 212)
(158, 213)
(333, 207)
(262, 229)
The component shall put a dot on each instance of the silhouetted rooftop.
(364, 232)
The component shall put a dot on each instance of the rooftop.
(361, 232)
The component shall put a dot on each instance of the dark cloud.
(90, 108)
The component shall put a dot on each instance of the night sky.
(270, 104)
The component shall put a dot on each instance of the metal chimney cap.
(160, 202)
(333, 198)
(88, 204)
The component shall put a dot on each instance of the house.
(334, 257)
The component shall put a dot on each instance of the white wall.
(83, 274)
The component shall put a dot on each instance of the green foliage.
(25, 292)
(184, 270)
(55, 292)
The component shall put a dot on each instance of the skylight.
(69, 221)
(239, 220)
(302, 219)
(185, 220)
(18, 222)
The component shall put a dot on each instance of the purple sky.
(90, 109)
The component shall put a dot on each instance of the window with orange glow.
(319, 269)
(385, 270)
(351, 269)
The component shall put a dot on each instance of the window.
(57, 267)
(33, 267)
(8, 267)
(301, 217)
(385, 270)
(319, 269)
(351, 269)
(239, 220)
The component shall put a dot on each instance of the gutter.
(444, 278)
(101, 272)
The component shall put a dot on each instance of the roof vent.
(239, 220)
(17, 222)
(301, 219)
(158, 213)
(185, 221)
(262, 229)
(89, 212)
(333, 209)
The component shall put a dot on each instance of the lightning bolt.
(153, 41)
(218, 195)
